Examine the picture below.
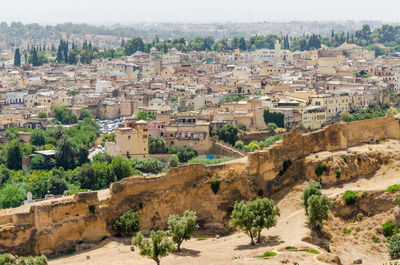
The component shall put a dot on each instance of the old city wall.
(265, 164)
(58, 225)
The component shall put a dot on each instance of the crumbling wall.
(58, 225)
(265, 164)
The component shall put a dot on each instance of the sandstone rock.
(358, 261)
(132, 248)
(87, 257)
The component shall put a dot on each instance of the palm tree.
(66, 152)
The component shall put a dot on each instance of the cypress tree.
(17, 58)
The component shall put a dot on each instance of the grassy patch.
(268, 254)
(347, 231)
(201, 239)
(398, 199)
(313, 251)
(375, 240)
(206, 162)
(394, 187)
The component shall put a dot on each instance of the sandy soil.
(291, 228)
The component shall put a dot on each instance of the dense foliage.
(228, 133)
(128, 223)
(274, 117)
(372, 112)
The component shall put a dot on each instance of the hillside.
(289, 239)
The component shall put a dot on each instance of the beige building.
(130, 141)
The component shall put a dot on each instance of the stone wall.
(58, 225)
(265, 164)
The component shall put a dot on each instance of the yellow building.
(130, 141)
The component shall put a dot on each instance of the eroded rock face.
(57, 226)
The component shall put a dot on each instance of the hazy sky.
(126, 11)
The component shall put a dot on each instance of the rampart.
(58, 225)
(266, 164)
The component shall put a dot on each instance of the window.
(129, 137)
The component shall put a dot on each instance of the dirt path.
(235, 249)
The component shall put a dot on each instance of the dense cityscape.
(213, 143)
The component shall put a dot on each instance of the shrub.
(321, 169)
(201, 239)
(128, 223)
(40, 260)
(173, 161)
(239, 144)
(215, 183)
(388, 228)
(350, 197)
(394, 246)
(338, 172)
(375, 240)
(5, 259)
(347, 231)
(268, 254)
(313, 188)
(157, 247)
(11, 196)
(185, 153)
(38, 162)
(171, 150)
(395, 187)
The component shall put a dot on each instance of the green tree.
(86, 177)
(274, 117)
(313, 188)
(157, 145)
(228, 133)
(173, 161)
(37, 137)
(86, 114)
(42, 115)
(244, 218)
(38, 184)
(65, 152)
(14, 155)
(265, 213)
(159, 246)
(121, 167)
(57, 185)
(38, 162)
(17, 58)
(145, 115)
(127, 223)
(318, 210)
(11, 196)
(182, 228)
(185, 153)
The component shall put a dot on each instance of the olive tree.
(182, 228)
(254, 216)
(158, 246)
(313, 188)
(318, 210)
